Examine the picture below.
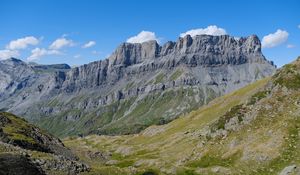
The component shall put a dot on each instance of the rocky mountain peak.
(12, 62)
(201, 46)
(134, 53)
(183, 43)
(167, 48)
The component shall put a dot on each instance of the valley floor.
(260, 134)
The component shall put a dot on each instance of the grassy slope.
(172, 148)
(158, 107)
(18, 130)
(153, 109)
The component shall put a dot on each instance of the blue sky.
(106, 24)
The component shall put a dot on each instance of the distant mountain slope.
(26, 149)
(137, 86)
(254, 130)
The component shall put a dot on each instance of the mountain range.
(200, 105)
(139, 85)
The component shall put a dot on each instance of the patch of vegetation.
(257, 97)
(53, 102)
(125, 163)
(159, 78)
(186, 171)
(117, 156)
(176, 74)
(290, 153)
(129, 85)
(291, 81)
(18, 134)
(41, 155)
(105, 170)
(123, 107)
(59, 126)
(149, 172)
(210, 160)
(211, 94)
(156, 108)
(236, 111)
(17, 129)
(288, 76)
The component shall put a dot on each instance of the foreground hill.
(254, 130)
(128, 91)
(28, 150)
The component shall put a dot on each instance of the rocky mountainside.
(254, 130)
(26, 149)
(137, 86)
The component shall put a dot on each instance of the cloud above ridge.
(209, 30)
(274, 39)
(143, 36)
(22, 43)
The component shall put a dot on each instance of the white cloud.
(143, 36)
(274, 39)
(60, 43)
(89, 44)
(290, 46)
(22, 43)
(209, 30)
(38, 53)
(77, 56)
(299, 26)
(6, 54)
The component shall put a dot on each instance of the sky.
(77, 32)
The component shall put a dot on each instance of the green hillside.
(254, 130)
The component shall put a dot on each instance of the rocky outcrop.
(288, 170)
(18, 132)
(12, 164)
(202, 67)
(26, 149)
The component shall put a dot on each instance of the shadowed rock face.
(90, 97)
(11, 164)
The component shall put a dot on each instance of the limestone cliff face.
(108, 94)
(132, 59)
